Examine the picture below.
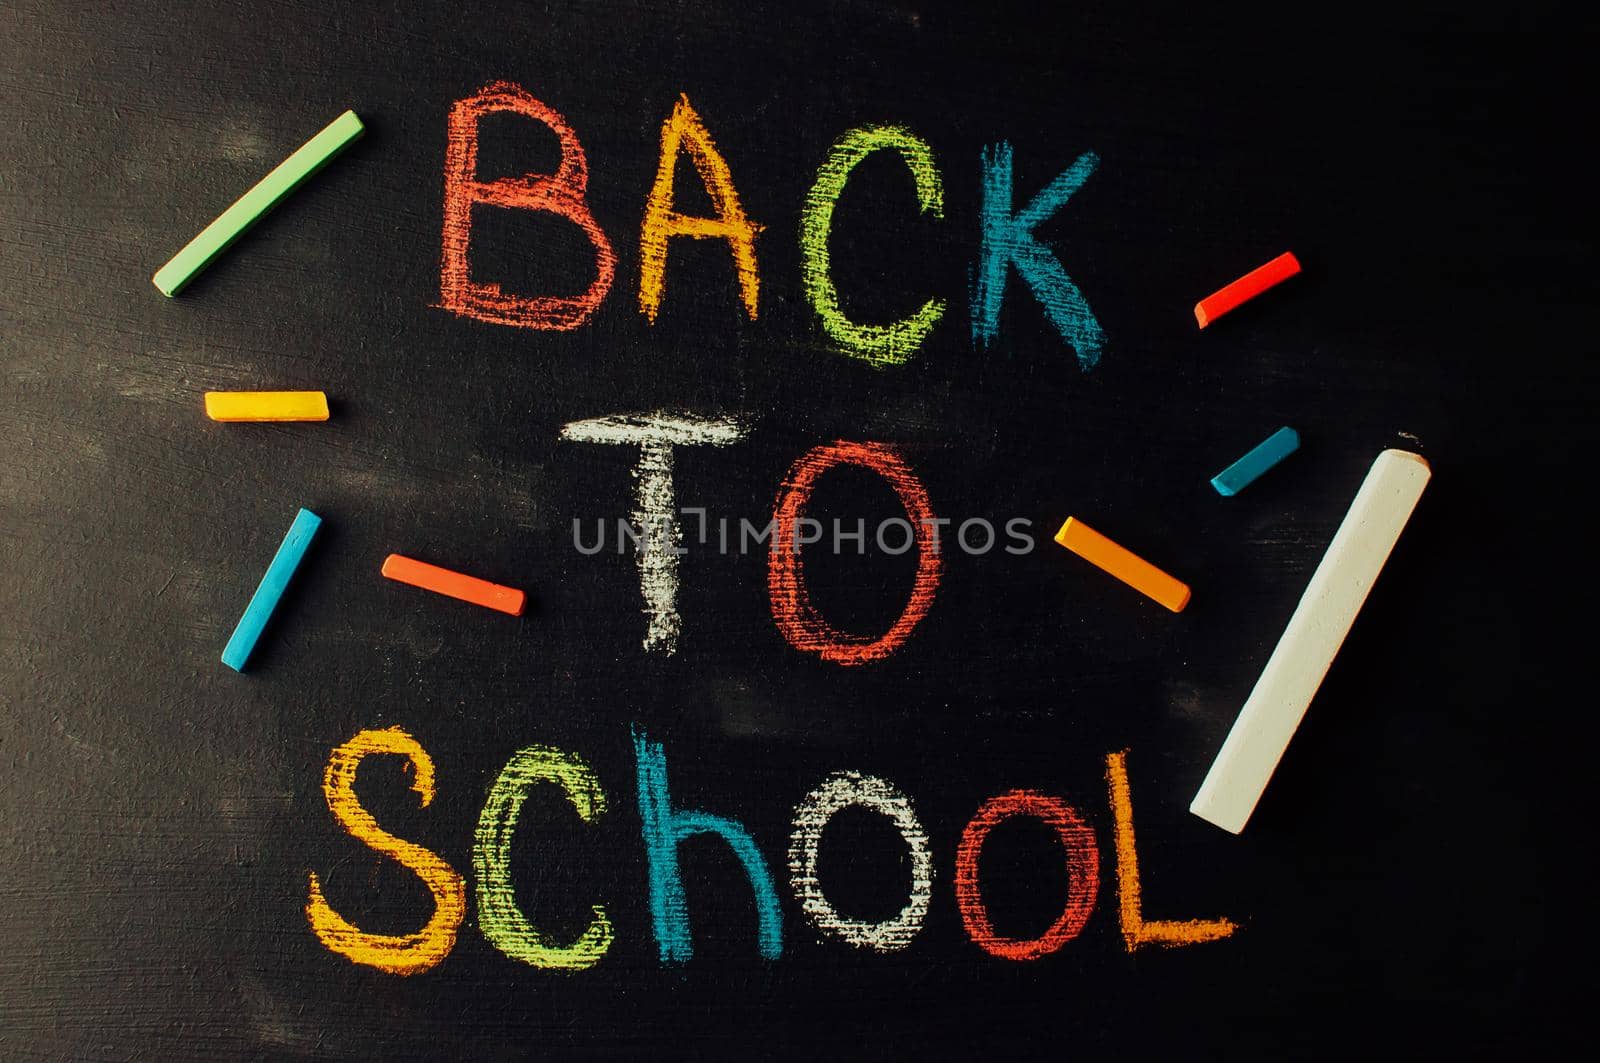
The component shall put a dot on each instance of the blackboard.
(161, 814)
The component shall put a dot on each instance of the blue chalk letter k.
(1008, 241)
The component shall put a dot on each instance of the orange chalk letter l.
(1136, 930)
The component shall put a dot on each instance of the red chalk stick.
(1246, 288)
(454, 584)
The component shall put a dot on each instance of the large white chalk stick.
(1316, 630)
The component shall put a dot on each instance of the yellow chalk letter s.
(394, 953)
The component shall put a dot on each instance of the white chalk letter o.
(839, 791)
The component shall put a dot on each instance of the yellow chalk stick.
(267, 405)
(1127, 566)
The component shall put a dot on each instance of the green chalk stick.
(251, 207)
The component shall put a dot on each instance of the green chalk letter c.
(879, 345)
(499, 917)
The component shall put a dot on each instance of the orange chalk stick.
(1127, 566)
(454, 584)
(1246, 288)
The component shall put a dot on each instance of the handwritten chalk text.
(665, 824)
(1008, 242)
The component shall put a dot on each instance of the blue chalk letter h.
(664, 830)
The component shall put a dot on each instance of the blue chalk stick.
(1269, 452)
(273, 584)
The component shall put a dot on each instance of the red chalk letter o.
(796, 617)
(1083, 873)
(561, 194)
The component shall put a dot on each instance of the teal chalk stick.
(271, 589)
(255, 204)
(1267, 453)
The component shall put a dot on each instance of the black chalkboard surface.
(164, 817)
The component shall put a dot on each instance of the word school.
(665, 827)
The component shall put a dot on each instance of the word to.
(655, 506)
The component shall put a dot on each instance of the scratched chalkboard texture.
(160, 815)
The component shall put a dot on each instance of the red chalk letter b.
(562, 193)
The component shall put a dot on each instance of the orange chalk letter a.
(662, 222)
